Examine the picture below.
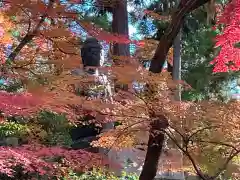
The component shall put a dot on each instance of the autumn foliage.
(228, 57)
(31, 157)
(18, 104)
(43, 53)
(201, 125)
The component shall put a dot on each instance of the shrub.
(98, 174)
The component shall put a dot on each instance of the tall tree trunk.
(156, 141)
(176, 73)
(120, 26)
(155, 146)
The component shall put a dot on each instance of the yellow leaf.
(56, 32)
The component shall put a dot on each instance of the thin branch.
(177, 131)
(219, 143)
(150, 110)
(29, 19)
(200, 130)
(123, 132)
(234, 154)
(129, 116)
(198, 171)
(29, 25)
(30, 35)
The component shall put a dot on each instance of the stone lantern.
(91, 54)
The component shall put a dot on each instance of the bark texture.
(155, 146)
(120, 26)
(167, 39)
(156, 139)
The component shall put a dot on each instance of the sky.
(235, 89)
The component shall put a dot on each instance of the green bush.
(12, 129)
(97, 174)
(57, 127)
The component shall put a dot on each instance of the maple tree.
(30, 158)
(50, 39)
(172, 30)
(22, 61)
(158, 108)
(228, 58)
(156, 66)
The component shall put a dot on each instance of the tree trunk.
(176, 73)
(155, 146)
(167, 39)
(156, 141)
(120, 26)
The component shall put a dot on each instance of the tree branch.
(233, 154)
(200, 130)
(166, 41)
(219, 143)
(199, 172)
(30, 35)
